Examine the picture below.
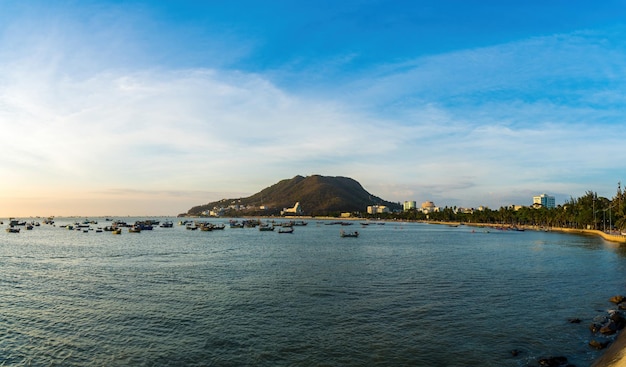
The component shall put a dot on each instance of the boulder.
(553, 361)
(596, 344)
(609, 328)
(617, 299)
(595, 327)
(618, 319)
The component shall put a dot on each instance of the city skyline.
(150, 108)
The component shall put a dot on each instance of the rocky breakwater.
(604, 329)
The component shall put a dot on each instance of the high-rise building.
(545, 200)
(408, 205)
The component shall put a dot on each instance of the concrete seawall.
(592, 232)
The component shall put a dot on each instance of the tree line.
(587, 212)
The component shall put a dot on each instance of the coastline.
(615, 354)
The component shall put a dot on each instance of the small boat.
(167, 224)
(266, 228)
(235, 224)
(13, 230)
(286, 230)
(117, 231)
(349, 234)
(134, 229)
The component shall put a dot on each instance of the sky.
(152, 107)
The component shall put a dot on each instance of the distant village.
(427, 207)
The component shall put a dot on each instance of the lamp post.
(594, 211)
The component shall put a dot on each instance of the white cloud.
(468, 126)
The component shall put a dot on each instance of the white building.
(408, 205)
(296, 210)
(544, 200)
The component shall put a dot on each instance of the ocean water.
(401, 294)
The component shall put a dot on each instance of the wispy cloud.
(470, 127)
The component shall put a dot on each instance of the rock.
(621, 305)
(595, 327)
(618, 319)
(574, 320)
(515, 352)
(617, 299)
(595, 344)
(609, 328)
(553, 361)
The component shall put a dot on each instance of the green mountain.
(317, 195)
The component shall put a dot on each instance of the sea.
(400, 294)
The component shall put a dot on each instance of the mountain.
(317, 195)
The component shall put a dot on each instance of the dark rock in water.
(617, 299)
(574, 320)
(618, 319)
(621, 305)
(515, 352)
(553, 361)
(595, 327)
(596, 344)
(609, 328)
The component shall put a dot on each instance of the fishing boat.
(266, 228)
(286, 230)
(117, 231)
(167, 224)
(13, 230)
(349, 234)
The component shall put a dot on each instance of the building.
(408, 205)
(429, 207)
(296, 210)
(545, 201)
(377, 209)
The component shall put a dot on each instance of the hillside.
(318, 195)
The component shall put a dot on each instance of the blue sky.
(151, 107)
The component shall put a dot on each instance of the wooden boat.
(265, 228)
(134, 229)
(13, 230)
(286, 230)
(117, 231)
(349, 234)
